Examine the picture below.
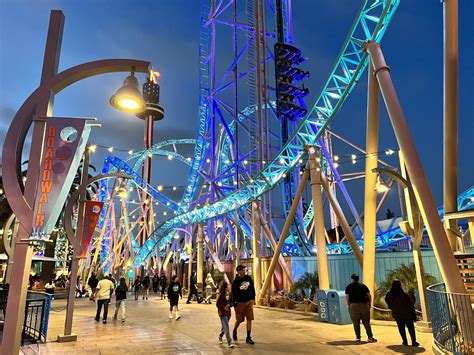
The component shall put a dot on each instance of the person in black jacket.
(120, 297)
(192, 288)
(174, 292)
(146, 286)
(243, 293)
(92, 283)
(163, 282)
(155, 282)
(403, 311)
(136, 286)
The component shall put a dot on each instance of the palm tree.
(407, 275)
(310, 280)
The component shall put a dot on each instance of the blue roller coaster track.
(370, 25)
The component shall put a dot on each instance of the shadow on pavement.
(346, 342)
(406, 349)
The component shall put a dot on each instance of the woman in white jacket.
(210, 285)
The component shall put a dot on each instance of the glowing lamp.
(128, 98)
(381, 185)
(122, 191)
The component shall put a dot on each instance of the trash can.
(322, 299)
(338, 312)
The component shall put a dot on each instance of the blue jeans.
(225, 328)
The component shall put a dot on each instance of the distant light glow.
(111, 149)
(160, 187)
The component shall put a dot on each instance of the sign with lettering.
(92, 211)
(63, 146)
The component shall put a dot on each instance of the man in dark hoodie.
(243, 293)
(174, 292)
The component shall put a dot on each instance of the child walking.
(174, 292)
(223, 303)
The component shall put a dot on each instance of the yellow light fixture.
(381, 185)
(160, 188)
(122, 191)
(128, 98)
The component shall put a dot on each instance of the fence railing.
(452, 318)
(37, 308)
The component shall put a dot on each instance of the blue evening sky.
(167, 34)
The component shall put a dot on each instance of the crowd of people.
(240, 295)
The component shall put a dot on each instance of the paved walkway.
(149, 331)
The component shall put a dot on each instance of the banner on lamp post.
(92, 211)
(63, 146)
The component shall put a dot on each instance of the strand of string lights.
(354, 157)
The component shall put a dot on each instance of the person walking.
(120, 297)
(359, 300)
(210, 285)
(243, 293)
(403, 311)
(104, 290)
(155, 282)
(136, 287)
(174, 293)
(163, 283)
(223, 303)
(192, 288)
(92, 283)
(146, 287)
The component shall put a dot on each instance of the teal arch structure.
(370, 25)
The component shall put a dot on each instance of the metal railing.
(452, 317)
(37, 308)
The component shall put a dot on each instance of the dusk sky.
(166, 33)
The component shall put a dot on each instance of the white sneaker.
(231, 345)
(170, 316)
(178, 317)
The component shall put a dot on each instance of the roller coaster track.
(370, 25)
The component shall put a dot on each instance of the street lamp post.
(38, 108)
(147, 107)
(413, 228)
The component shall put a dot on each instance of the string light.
(93, 148)
(246, 162)
(160, 187)
(174, 188)
(170, 157)
(111, 149)
(130, 152)
(150, 155)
